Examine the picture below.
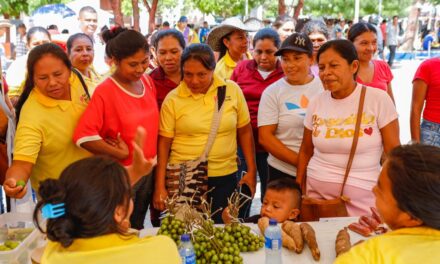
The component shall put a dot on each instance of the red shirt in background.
(382, 76)
(113, 110)
(429, 72)
(246, 75)
(162, 83)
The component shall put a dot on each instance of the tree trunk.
(281, 8)
(297, 9)
(135, 5)
(412, 28)
(116, 7)
(152, 16)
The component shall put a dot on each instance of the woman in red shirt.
(120, 104)
(168, 46)
(373, 73)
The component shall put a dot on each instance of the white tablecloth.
(326, 231)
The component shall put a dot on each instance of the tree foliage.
(225, 8)
(13, 8)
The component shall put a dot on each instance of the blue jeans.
(430, 133)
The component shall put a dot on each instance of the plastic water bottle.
(186, 250)
(273, 243)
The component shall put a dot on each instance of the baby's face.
(279, 205)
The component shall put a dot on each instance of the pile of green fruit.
(9, 245)
(243, 237)
(172, 227)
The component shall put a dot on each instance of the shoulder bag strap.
(83, 83)
(355, 137)
(221, 94)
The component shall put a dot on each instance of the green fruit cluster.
(172, 227)
(9, 245)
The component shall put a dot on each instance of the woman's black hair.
(34, 56)
(74, 37)
(34, 30)
(414, 172)
(123, 43)
(200, 52)
(315, 26)
(267, 33)
(281, 20)
(169, 32)
(91, 189)
(343, 47)
(358, 29)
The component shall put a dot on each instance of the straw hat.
(227, 26)
(5, 23)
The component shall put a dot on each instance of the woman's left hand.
(140, 166)
(250, 179)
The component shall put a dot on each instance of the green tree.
(225, 8)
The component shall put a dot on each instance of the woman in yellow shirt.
(408, 200)
(230, 39)
(81, 54)
(185, 122)
(92, 204)
(52, 101)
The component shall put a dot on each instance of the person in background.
(426, 97)
(20, 42)
(393, 39)
(168, 47)
(88, 23)
(429, 40)
(120, 104)
(284, 104)
(317, 32)
(16, 73)
(47, 111)
(253, 77)
(407, 198)
(203, 32)
(81, 53)
(185, 121)
(182, 26)
(285, 26)
(95, 228)
(53, 30)
(230, 39)
(383, 29)
(329, 126)
(165, 25)
(371, 72)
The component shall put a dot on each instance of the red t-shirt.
(429, 72)
(5, 85)
(382, 76)
(246, 75)
(162, 83)
(113, 110)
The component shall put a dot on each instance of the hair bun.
(110, 34)
(51, 192)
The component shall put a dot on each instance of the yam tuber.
(287, 241)
(342, 243)
(293, 230)
(309, 236)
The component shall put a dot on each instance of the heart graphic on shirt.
(368, 131)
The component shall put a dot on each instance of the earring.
(125, 224)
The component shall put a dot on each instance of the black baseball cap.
(296, 42)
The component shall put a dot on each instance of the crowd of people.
(280, 103)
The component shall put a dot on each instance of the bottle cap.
(185, 238)
(273, 221)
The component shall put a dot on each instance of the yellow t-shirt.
(406, 245)
(113, 248)
(186, 117)
(45, 131)
(94, 80)
(226, 65)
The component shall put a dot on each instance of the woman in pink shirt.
(373, 73)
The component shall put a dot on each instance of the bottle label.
(274, 244)
(189, 258)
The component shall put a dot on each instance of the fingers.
(12, 190)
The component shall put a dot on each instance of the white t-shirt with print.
(332, 122)
(285, 105)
